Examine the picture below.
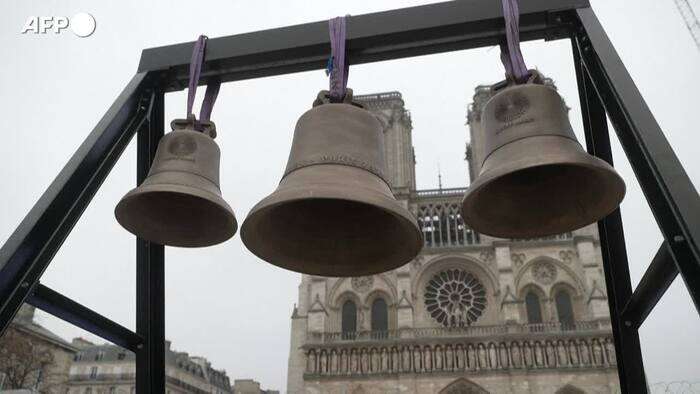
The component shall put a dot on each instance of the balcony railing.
(460, 355)
(378, 96)
(459, 332)
(100, 377)
(452, 192)
(557, 237)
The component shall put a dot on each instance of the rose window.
(455, 298)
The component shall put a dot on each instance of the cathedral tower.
(471, 314)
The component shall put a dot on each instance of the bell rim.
(578, 159)
(182, 190)
(275, 199)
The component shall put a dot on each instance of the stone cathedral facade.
(471, 314)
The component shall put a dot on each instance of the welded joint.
(658, 277)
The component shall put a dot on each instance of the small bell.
(180, 203)
(333, 213)
(536, 179)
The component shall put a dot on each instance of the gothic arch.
(577, 285)
(334, 294)
(569, 389)
(337, 310)
(347, 295)
(577, 308)
(463, 386)
(532, 287)
(455, 261)
(377, 293)
(542, 298)
(390, 306)
(559, 285)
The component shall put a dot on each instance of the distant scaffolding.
(690, 19)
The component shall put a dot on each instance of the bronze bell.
(180, 203)
(536, 179)
(333, 213)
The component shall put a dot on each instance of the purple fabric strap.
(209, 99)
(195, 71)
(511, 56)
(338, 66)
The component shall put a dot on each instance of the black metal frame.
(605, 87)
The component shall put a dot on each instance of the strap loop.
(209, 99)
(338, 66)
(212, 88)
(511, 56)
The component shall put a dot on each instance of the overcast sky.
(222, 302)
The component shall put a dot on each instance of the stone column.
(509, 302)
(404, 305)
(317, 311)
(303, 302)
(297, 360)
(595, 297)
(398, 149)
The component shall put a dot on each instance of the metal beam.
(30, 248)
(414, 31)
(150, 270)
(64, 308)
(656, 280)
(612, 239)
(673, 199)
(604, 86)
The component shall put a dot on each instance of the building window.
(99, 356)
(349, 319)
(88, 390)
(565, 310)
(533, 308)
(380, 318)
(121, 356)
(455, 298)
(112, 390)
(93, 373)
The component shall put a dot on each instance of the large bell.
(536, 179)
(180, 203)
(333, 213)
